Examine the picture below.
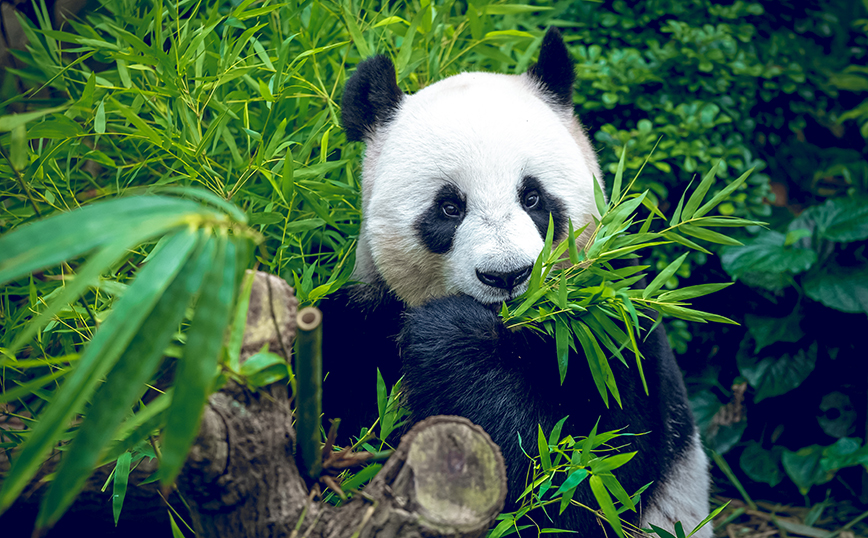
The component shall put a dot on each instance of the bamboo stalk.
(308, 372)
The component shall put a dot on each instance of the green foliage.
(199, 256)
(561, 466)
(593, 303)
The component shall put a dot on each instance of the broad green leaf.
(599, 198)
(574, 479)
(403, 59)
(766, 253)
(610, 463)
(617, 490)
(804, 467)
(762, 465)
(838, 287)
(842, 219)
(776, 374)
(767, 331)
(108, 343)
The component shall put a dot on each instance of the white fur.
(483, 133)
(683, 495)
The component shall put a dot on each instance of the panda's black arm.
(459, 359)
(360, 326)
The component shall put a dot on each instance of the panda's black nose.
(506, 280)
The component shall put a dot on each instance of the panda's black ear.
(371, 97)
(554, 70)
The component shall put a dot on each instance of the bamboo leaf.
(198, 368)
(709, 235)
(691, 292)
(664, 275)
(619, 174)
(602, 495)
(699, 193)
(562, 344)
(543, 447)
(68, 235)
(119, 485)
(108, 343)
(722, 195)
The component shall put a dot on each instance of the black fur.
(360, 327)
(554, 70)
(548, 203)
(458, 358)
(435, 228)
(371, 98)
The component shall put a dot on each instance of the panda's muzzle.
(504, 280)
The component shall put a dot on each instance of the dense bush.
(772, 85)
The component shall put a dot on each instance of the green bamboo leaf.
(356, 33)
(198, 368)
(571, 242)
(599, 198)
(600, 370)
(602, 495)
(676, 217)
(576, 477)
(691, 292)
(86, 277)
(543, 447)
(512, 9)
(725, 221)
(610, 463)
(616, 489)
(10, 122)
(680, 239)
(664, 275)
(239, 323)
(25, 389)
(619, 173)
(562, 344)
(690, 314)
(138, 427)
(722, 195)
(709, 235)
(361, 477)
(403, 58)
(108, 343)
(125, 382)
(68, 235)
(119, 485)
(699, 193)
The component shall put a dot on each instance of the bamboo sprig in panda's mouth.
(578, 295)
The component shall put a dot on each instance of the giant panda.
(458, 182)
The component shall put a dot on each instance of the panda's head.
(459, 179)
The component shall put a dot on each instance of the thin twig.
(21, 183)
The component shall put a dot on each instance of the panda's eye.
(450, 209)
(530, 199)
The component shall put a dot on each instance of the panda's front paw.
(447, 325)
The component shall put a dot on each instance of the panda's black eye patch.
(436, 226)
(538, 203)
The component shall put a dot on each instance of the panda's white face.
(458, 186)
